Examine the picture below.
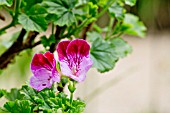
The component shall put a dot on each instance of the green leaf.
(46, 100)
(48, 41)
(130, 2)
(28, 92)
(101, 54)
(105, 53)
(120, 47)
(13, 94)
(6, 2)
(116, 10)
(63, 11)
(37, 10)
(93, 9)
(66, 19)
(27, 4)
(44, 41)
(33, 23)
(92, 36)
(18, 106)
(2, 92)
(133, 25)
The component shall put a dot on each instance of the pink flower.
(43, 67)
(74, 58)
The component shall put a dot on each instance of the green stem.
(52, 30)
(16, 9)
(14, 20)
(105, 8)
(109, 29)
(6, 27)
(71, 98)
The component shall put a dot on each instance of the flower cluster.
(74, 59)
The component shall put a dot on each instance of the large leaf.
(33, 16)
(101, 54)
(133, 25)
(63, 11)
(120, 47)
(106, 53)
(6, 2)
(33, 23)
(18, 106)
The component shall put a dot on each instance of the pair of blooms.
(74, 59)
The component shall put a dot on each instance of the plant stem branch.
(71, 98)
(105, 8)
(84, 33)
(15, 17)
(57, 38)
(18, 46)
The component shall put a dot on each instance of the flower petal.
(40, 61)
(78, 47)
(76, 61)
(44, 69)
(84, 66)
(65, 69)
(50, 58)
(40, 82)
(61, 49)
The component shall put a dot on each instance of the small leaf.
(6, 2)
(18, 106)
(33, 23)
(48, 41)
(2, 92)
(133, 25)
(130, 2)
(93, 9)
(116, 10)
(13, 94)
(28, 92)
(44, 41)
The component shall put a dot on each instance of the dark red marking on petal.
(50, 58)
(43, 84)
(61, 49)
(78, 47)
(40, 61)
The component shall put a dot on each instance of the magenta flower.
(43, 67)
(74, 58)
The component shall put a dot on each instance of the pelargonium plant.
(61, 21)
